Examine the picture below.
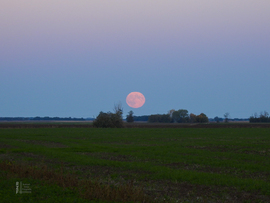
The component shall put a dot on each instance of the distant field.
(222, 164)
(89, 124)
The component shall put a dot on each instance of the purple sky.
(77, 58)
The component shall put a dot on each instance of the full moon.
(135, 99)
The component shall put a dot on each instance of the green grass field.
(165, 164)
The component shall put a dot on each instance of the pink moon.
(135, 99)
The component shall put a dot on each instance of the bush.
(264, 118)
(180, 116)
(110, 120)
(202, 118)
(130, 118)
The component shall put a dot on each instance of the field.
(78, 164)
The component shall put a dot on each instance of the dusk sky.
(76, 58)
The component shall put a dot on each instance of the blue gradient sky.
(77, 58)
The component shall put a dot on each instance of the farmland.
(201, 164)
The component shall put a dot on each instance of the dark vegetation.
(110, 120)
(160, 118)
(130, 117)
(263, 118)
(141, 118)
(217, 119)
(180, 116)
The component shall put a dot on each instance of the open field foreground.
(135, 164)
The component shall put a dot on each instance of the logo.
(22, 188)
(17, 187)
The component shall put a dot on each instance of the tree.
(118, 109)
(140, 118)
(216, 119)
(162, 118)
(110, 120)
(226, 116)
(130, 118)
(202, 118)
(264, 117)
(159, 118)
(180, 116)
(171, 112)
(252, 119)
(103, 120)
(192, 118)
(117, 118)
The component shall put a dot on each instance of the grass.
(165, 164)
(40, 191)
(64, 186)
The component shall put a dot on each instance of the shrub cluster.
(202, 118)
(263, 118)
(180, 116)
(159, 118)
(130, 118)
(108, 120)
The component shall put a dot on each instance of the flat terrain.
(88, 124)
(207, 164)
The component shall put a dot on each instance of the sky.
(76, 58)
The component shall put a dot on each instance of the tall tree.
(192, 118)
(202, 118)
(216, 119)
(118, 109)
(180, 116)
(159, 118)
(226, 116)
(171, 112)
(110, 120)
(130, 118)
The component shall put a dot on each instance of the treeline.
(37, 118)
(159, 118)
(263, 118)
(140, 118)
(180, 116)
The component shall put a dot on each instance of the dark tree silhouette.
(130, 118)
